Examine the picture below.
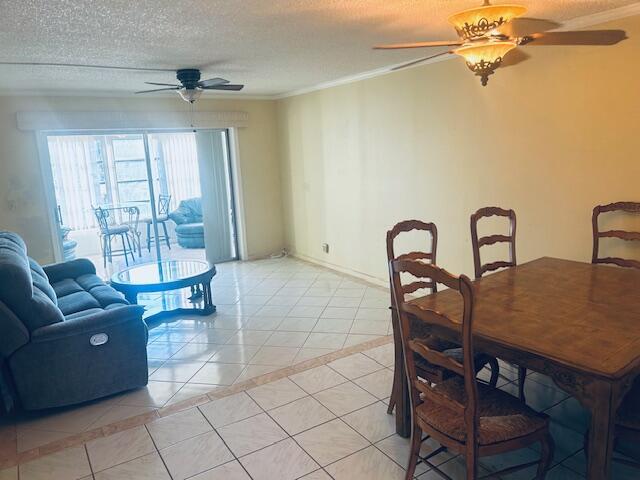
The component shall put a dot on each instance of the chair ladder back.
(478, 243)
(430, 255)
(102, 215)
(623, 207)
(163, 204)
(406, 309)
(435, 357)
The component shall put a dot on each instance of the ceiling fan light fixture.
(479, 22)
(190, 94)
(483, 58)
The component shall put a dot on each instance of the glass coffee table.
(169, 275)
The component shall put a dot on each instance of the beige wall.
(550, 138)
(22, 202)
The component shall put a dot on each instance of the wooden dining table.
(576, 322)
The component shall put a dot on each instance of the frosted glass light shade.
(483, 58)
(489, 51)
(190, 94)
(477, 22)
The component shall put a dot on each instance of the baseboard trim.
(378, 282)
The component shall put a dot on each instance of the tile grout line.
(235, 458)
(155, 445)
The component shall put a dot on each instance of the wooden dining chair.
(618, 207)
(429, 372)
(627, 422)
(465, 416)
(482, 268)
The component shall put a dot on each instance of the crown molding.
(602, 17)
(359, 76)
(572, 24)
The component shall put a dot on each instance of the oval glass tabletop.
(158, 273)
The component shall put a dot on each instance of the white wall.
(550, 137)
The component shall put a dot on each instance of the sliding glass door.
(133, 197)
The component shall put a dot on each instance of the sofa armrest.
(90, 323)
(72, 269)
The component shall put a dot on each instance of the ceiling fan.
(489, 32)
(191, 87)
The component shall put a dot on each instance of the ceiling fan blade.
(420, 60)
(78, 65)
(582, 37)
(163, 84)
(159, 90)
(212, 82)
(439, 43)
(229, 86)
(524, 26)
(514, 57)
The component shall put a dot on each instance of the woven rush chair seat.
(502, 416)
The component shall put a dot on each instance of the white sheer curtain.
(178, 156)
(75, 178)
(76, 172)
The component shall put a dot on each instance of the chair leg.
(522, 376)
(104, 250)
(546, 456)
(394, 393)
(471, 459)
(149, 237)
(131, 249)
(416, 443)
(495, 372)
(124, 249)
(396, 388)
(166, 234)
(110, 249)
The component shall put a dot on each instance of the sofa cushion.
(24, 287)
(107, 296)
(89, 281)
(86, 292)
(40, 280)
(66, 287)
(77, 302)
(190, 229)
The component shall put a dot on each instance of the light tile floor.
(269, 316)
(316, 425)
(328, 422)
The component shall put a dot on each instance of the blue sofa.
(189, 226)
(65, 336)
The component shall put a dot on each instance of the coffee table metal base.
(198, 292)
(171, 278)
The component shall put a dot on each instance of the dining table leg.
(601, 433)
(403, 405)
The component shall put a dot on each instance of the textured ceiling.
(273, 46)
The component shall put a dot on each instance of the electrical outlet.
(325, 247)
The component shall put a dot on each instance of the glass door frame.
(237, 216)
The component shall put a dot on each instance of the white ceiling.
(272, 46)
